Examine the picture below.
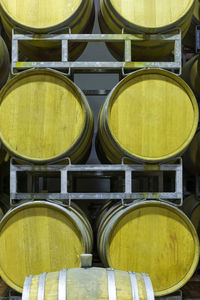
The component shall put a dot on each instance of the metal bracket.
(124, 172)
(125, 67)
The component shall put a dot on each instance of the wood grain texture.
(150, 116)
(40, 237)
(152, 13)
(151, 237)
(92, 285)
(43, 116)
(152, 16)
(48, 17)
(40, 14)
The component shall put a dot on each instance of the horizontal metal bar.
(96, 37)
(93, 196)
(95, 168)
(80, 65)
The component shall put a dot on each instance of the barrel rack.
(121, 175)
(68, 68)
(68, 174)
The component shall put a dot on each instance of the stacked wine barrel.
(149, 117)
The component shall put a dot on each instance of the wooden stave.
(71, 213)
(111, 22)
(111, 218)
(80, 150)
(138, 285)
(4, 63)
(82, 21)
(109, 150)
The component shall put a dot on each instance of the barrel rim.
(154, 29)
(59, 26)
(80, 96)
(20, 207)
(183, 216)
(191, 96)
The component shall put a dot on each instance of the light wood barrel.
(47, 17)
(147, 16)
(151, 116)
(88, 283)
(191, 74)
(45, 117)
(37, 237)
(191, 207)
(190, 38)
(191, 157)
(4, 63)
(151, 237)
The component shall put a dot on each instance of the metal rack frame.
(98, 171)
(67, 67)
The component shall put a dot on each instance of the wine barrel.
(47, 17)
(4, 63)
(147, 16)
(37, 237)
(45, 117)
(191, 207)
(191, 74)
(191, 157)
(151, 237)
(150, 116)
(88, 283)
(190, 38)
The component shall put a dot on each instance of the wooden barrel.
(190, 38)
(147, 16)
(151, 237)
(151, 116)
(47, 17)
(191, 158)
(45, 117)
(4, 63)
(88, 283)
(37, 237)
(191, 74)
(191, 207)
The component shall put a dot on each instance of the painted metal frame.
(66, 197)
